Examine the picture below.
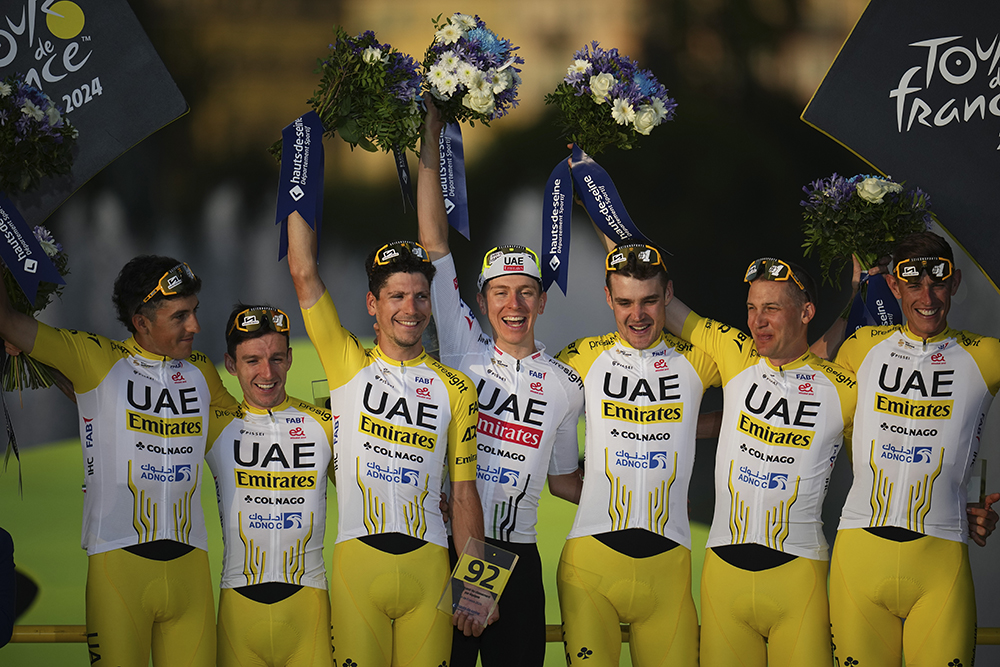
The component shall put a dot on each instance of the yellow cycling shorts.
(135, 603)
(600, 588)
(875, 583)
(384, 607)
(777, 617)
(294, 632)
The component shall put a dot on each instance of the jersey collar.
(132, 344)
(534, 356)
(660, 340)
(792, 365)
(417, 361)
(947, 333)
(257, 411)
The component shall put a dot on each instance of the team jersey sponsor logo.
(384, 451)
(88, 430)
(661, 365)
(763, 480)
(806, 389)
(165, 427)
(268, 479)
(157, 449)
(424, 392)
(909, 430)
(297, 433)
(805, 377)
(398, 434)
(536, 388)
(178, 378)
(794, 413)
(635, 414)
(275, 500)
(915, 454)
(774, 435)
(916, 384)
(180, 472)
(295, 420)
(508, 432)
(767, 458)
(640, 437)
(496, 451)
(904, 407)
(465, 460)
(667, 388)
(650, 460)
(390, 474)
(249, 455)
(280, 521)
(540, 375)
(499, 475)
(422, 380)
(937, 359)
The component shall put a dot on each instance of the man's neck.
(785, 360)
(254, 406)
(401, 354)
(516, 351)
(147, 345)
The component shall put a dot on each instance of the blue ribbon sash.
(300, 184)
(874, 305)
(601, 199)
(403, 173)
(22, 253)
(456, 201)
(556, 217)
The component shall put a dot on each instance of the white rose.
(600, 86)
(874, 189)
(5, 89)
(479, 101)
(53, 115)
(645, 119)
(29, 109)
(371, 55)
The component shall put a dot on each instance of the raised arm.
(16, 328)
(302, 261)
(432, 219)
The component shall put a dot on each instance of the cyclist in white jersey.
(628, 556)
(529, 406)
(901, 552)
(404, 419)
(270, 458)
(785, 414)
(144, 406)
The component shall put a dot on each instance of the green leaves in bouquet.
(367, 94)
(586, 125)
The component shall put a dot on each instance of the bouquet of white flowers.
(470, 71)
(607, 100)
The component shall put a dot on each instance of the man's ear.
(370, 302)
(230, 364)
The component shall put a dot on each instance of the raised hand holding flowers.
(470, 71)
(607, 100)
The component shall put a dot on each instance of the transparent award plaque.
(321, 393)
(477, 581)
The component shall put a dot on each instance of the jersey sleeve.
(565, 457)
(462, 427)
(729, 348)
(580, 355)
(457, 327)
(986, 353)
(339, 350)
(84, 358)
(218, 420)
(221, 399)
(853, 351)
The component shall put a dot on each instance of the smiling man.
(785, 415)
(270, 458)
(628, 556)
(924, 391)
(529, 406)
(405, 419)
(144, 406)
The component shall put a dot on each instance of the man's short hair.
(808, 293)
(140, 277)
(234, 336)
(922, 244)
(633, 268)
(379, 274)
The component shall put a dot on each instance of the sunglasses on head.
(393, 252)
(617, 259)
(771, 268)
(910, 270)
(172, 281)
(253, 319)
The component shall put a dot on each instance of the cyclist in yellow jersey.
(144, 405)
(785, 415)
(627, 558)
(401, 417)
(270, 458)
(901, 552)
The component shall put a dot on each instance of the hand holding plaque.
(475, 585)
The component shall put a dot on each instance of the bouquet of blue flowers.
(36, 139)
(368, 94)
(607, 100)
(863, 215)
(470, 71)
(21, 371)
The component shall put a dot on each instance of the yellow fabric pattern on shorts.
(600, 588)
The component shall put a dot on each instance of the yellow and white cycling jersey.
(270, 469)
(641, 414)
(398, 425)
(528, 413)
(143, 426)
(921, 409)
(782, 429)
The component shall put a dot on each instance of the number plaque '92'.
(477, 581)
